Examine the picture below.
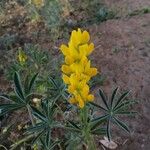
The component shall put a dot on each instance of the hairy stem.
(86, 129)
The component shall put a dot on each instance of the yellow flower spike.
(22, 57)
(77, 70)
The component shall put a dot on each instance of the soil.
(125, 7)
(122, 54)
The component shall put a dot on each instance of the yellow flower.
(77, 70)
(22, 57)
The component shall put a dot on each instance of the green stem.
(86, 129)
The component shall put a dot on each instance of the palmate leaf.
(45, 123)
(116, 107)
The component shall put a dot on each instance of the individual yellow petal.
(74, 38)
(90, 49)
(85, 37)
(83, 50)
(66, 69)
(87, 67)
(92, 72)
(73, 51)
(73, 79)
(64, 49)
(69, 60)
(81, 102)
(90, 97)
(65, 79)
(84, 61)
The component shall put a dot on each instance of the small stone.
(108, 144)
